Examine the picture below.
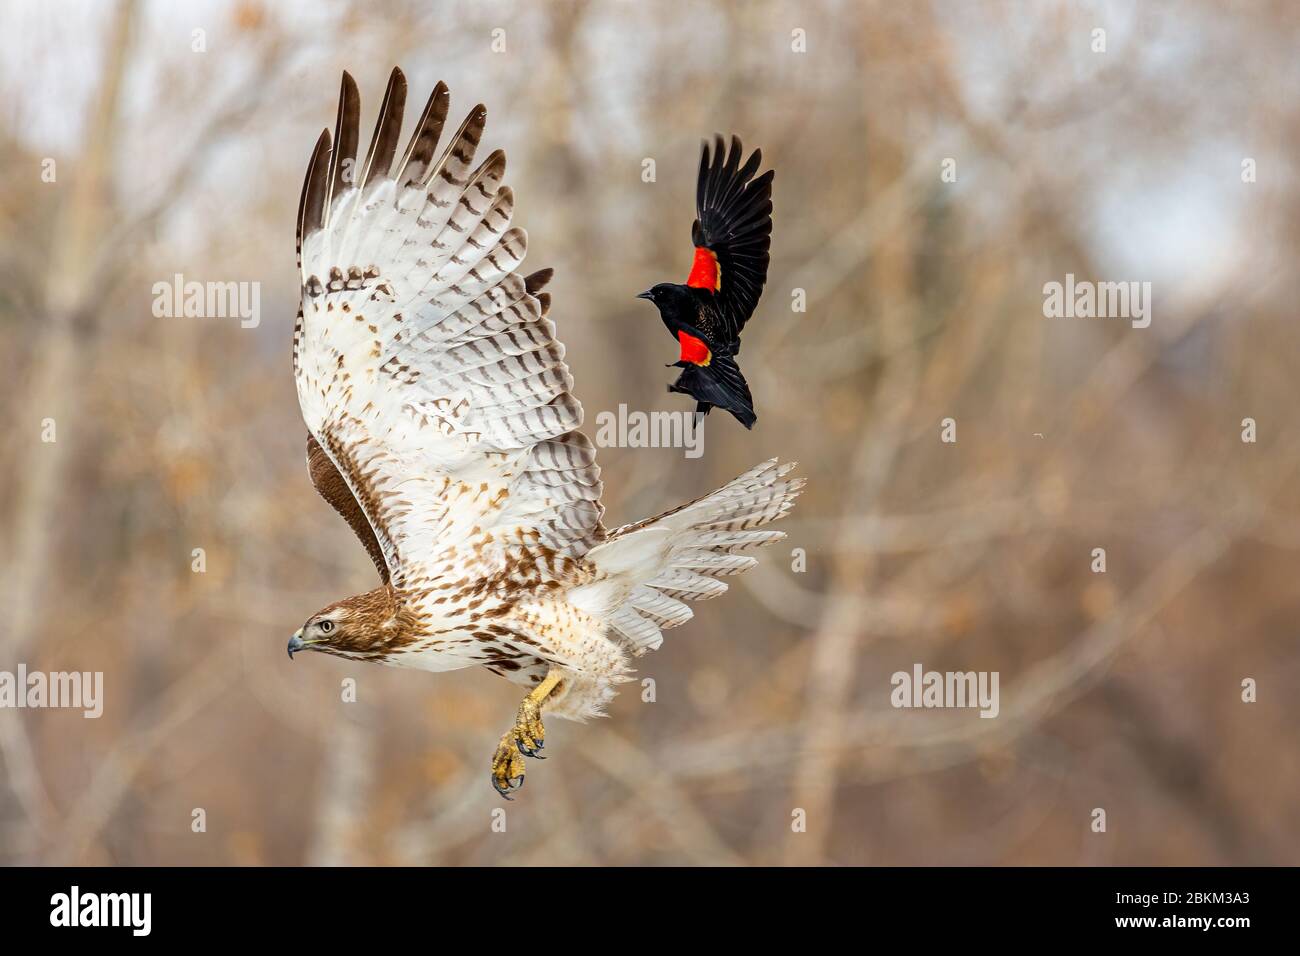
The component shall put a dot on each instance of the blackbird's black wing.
(734, 228)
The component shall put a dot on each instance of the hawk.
(444, 430)
(732, 233)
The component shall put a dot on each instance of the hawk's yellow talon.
(507, 767)
(530, 735)
(524, 739)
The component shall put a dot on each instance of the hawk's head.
(362, 625)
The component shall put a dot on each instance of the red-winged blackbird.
(732, 235)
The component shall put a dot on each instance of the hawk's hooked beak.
(296, 643)
(647, 294)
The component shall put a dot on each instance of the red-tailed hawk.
(444, 431)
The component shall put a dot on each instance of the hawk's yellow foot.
(507, 766)
(525, 739)
(529, 733)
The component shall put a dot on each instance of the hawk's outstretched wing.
(427, 370)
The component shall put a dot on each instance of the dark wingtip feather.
(346, 134)
(751, 166)
(388, 129)
(463, 143)
(424, 140)
(538, 279)
(311, 205)
(477, 121)
(733, 158)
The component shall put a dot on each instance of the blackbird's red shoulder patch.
(705, 273)
(693, 349)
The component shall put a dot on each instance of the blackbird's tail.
(718, 384)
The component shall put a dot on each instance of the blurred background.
(1168, 157)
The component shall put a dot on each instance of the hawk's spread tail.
(652, 567)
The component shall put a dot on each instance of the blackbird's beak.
(647, 294)
(296, 643)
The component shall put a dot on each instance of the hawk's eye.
(326, 626)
